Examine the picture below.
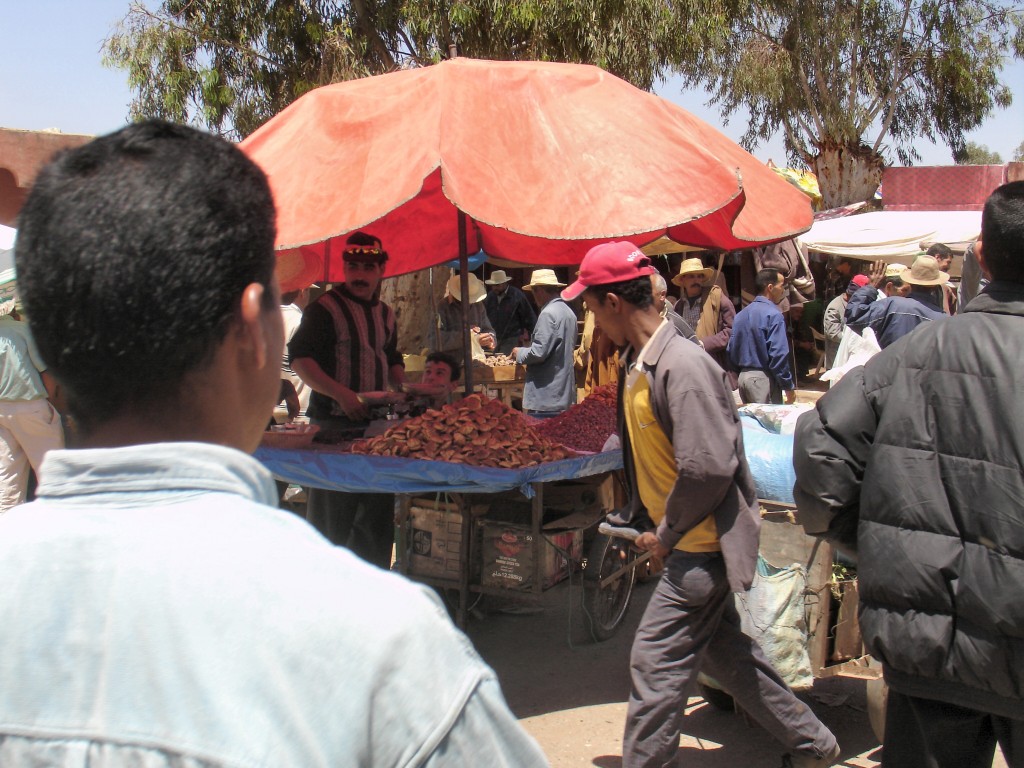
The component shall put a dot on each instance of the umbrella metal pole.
(467, 346)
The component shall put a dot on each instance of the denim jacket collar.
(167, 470)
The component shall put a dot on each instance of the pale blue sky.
(51, 76)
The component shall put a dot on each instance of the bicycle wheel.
(605, 606)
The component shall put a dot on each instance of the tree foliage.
(850, 82)
(978, 154)
(231, 64)
(1018, 153)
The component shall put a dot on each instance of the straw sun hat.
(498, 277)
(692, 267)
(477, 292)
(543, 277)
(925, 271)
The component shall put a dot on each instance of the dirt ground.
(570, 693)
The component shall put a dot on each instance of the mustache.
(360, 284)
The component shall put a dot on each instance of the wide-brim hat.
(477, 292)
(692, 267)
(543, 277)
(925, 271)
(498, 277)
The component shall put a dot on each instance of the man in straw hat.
(510, 312)
(914, 463)
(682, 446)
(550, 375)
(706, 309)
(896, 316)
(29, 424)
(157, 608)
(450, 318)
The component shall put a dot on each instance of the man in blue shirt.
(157, 609)
(550, 373)
(759, 349)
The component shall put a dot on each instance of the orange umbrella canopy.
(544, 159)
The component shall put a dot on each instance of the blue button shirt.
(759, 341)
(155, 611)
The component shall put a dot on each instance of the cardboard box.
(509, 373)
(507, 555)
(435, 539)
(596, 492)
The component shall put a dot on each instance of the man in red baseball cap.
(703, 505)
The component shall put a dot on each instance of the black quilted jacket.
(915, 463)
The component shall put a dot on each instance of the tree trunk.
(846, 174)
(413, 298)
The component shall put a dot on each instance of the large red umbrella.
(539, 160)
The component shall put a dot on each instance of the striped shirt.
(355, 342)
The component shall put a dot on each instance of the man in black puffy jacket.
(915, 465)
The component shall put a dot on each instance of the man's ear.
(251, 326)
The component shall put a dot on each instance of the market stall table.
(338, 469)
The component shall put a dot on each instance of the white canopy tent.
(892, 236)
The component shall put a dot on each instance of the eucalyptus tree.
(854, 84)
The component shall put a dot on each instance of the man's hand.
(648, 542)
(354, 408)
(877, 273)
(291, 398)
(790, 396)
(514, 354)
(487, 340)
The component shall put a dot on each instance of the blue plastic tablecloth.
(358, 473)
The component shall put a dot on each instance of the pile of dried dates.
(476, 430)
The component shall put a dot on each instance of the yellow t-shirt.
(655, 464)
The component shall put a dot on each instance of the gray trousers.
(691, 625)
(759, 387)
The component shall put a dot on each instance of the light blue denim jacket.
(155, 612)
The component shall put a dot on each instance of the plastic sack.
(770, 457)
(773, 613)
(854, 349)
(780, 419)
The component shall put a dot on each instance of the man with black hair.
(682, 447)
(943, 255)
(759, 345)
(441, 368)
(914, 464)
(441, 371)
(346, 344)
(157, 609)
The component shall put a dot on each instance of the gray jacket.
(692, 401)
(550, 374)
(915, 462)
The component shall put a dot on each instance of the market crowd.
(159, 608)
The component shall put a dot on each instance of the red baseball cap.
(612, 262)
